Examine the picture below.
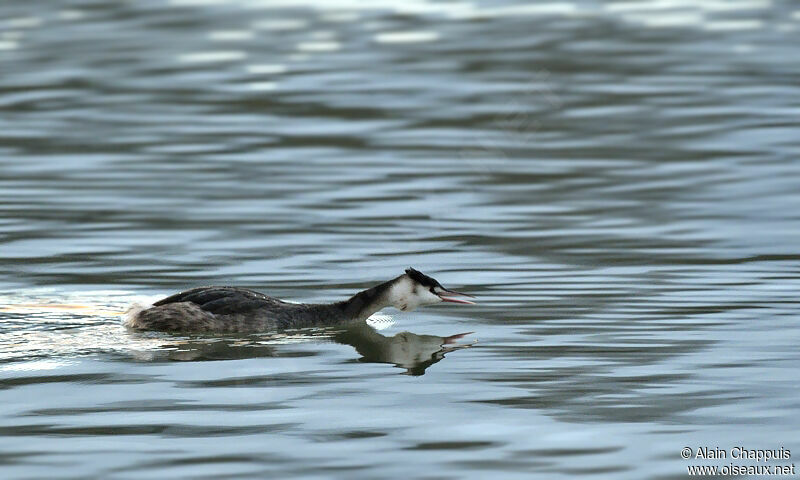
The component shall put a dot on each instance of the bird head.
(415, 289)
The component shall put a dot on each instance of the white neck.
(401, 294)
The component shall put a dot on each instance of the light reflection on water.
(616, 181)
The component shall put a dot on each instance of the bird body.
(234, 309)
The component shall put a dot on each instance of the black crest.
(421, 278)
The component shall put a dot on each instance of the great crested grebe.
(233, 309)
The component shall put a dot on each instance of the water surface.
(616, 181)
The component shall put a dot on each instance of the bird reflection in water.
(410, 351)
(407, 350)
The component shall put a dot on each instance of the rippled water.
(618, 182)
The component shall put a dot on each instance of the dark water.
(617, 182)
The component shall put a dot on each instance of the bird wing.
(222, 300)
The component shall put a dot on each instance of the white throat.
(406, 295)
